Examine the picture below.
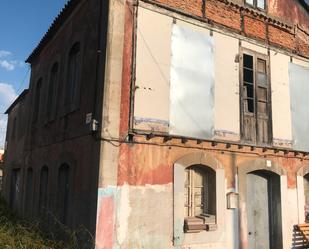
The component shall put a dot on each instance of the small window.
(14, 129)
(200, 199)
(29, 191)
(260, 4)
(63, 193)
(37, 101)
(43, 191)
(15, 195)
(73, 74)
(51, 102)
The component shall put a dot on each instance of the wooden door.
(257, 212)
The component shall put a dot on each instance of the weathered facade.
(186, 126)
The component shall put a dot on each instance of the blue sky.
(22, 25)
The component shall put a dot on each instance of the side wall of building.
(58, 158)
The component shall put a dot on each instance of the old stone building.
(167, 124)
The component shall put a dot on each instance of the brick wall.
(245, 21)
(221, 13)
(254, 27)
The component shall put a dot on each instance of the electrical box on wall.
(232, 200)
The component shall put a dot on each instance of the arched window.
(43, 190)
(199, 197)
(37, 100)
(29, 191)
(14, 129)
(73, 74)
(63, 192)
(52, 91)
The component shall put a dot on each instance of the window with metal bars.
(200, 198)
(255, 98)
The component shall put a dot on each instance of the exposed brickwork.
(222, 13)
(255, 23)
(254, 27)
(281, 37)
(302, 42)
(194, 7)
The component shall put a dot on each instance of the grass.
(17, 233)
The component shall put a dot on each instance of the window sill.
(200, 223)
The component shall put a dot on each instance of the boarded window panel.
(262, 107)
(153, 58)
(262, 79)
(261, 66)
(263, 131)
(187, 193)
(199, 192)
(299, 92)
(262, 93)
(192, 84)
(249, 129)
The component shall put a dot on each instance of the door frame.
(242, 170)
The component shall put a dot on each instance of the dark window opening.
(43, 191)
(63, 193)
(14, 129)
(73, 74)
(15, 193)
(51, 102)
(37, 100)
(29, 191)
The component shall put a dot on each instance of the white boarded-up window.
(192, 83)
(152, 86)
(299, 92)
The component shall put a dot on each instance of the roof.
(54, 27)
(17, 100)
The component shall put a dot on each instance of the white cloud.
(4, 53)
(7, 65)
(7, 96)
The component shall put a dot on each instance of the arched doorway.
(264, 218)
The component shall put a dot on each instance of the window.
(63, 193)
(15, 195)
(37, 101)
(29, 191)
(260, 4)
(14, 129)
(200, 198)
(51, 101)
(43, 191)
(73, 74)
(255, 99)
